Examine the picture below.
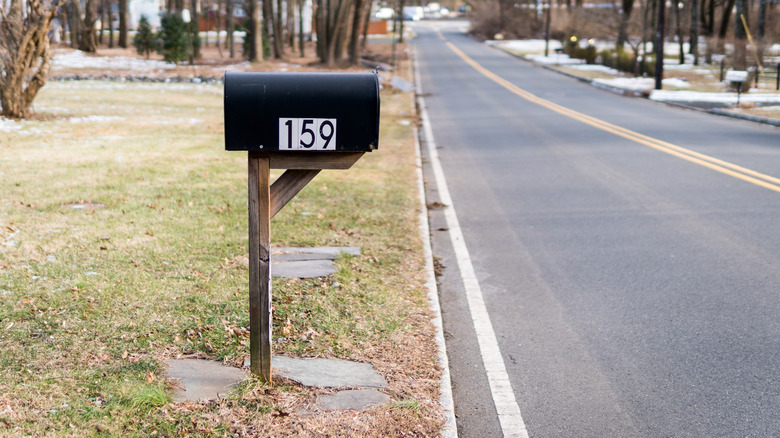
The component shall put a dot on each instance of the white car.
(384, 13)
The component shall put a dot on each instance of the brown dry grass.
(120, 227)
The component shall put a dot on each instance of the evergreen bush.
(175, 45)
(145, 40)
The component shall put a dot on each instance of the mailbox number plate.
(307, 134)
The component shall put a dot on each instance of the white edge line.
(510, 419)
(450, 428)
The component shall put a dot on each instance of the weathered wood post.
(301, 122)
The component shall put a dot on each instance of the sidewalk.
(681, 82)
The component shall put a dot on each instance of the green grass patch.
(123, 225)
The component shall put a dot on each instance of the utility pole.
(659, 45)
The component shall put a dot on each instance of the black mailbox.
(280, 112)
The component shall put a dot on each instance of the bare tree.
(627, 6)
(24, 52)
(255, 35)
(332, 20)
(354, 40)
(229, 27)
(123, 24)
(88, 41)
(277, 30)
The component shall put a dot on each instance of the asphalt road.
(633, 288)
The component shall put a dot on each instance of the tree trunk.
(195, 29)
(678, 30)
(740, 37)
(337, 20)
(229, 27)
(301, 36)
(24, 54)
(726, 19)
(342, 37)
(625, 17)
(110, 24)
(65, 23)
(75, 24)
(100, 13)
(291, 7)
(88, 42)
(354, 39)
(366, 23)
(761, 20)
(256, 23)
(401, 21)
(123, 24)
(277, 29)
(694, 34)
(268, 22)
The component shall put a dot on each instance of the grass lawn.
(123, 235)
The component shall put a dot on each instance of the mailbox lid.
(282, 112)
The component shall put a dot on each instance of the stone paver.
(303, 269)
(332, 251)
(357, 399)
(293, 262)
(328, 373)
(202, 379)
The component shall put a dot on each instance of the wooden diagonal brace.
(288, 185)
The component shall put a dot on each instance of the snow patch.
(694, 96)
(7, 125)
(91, 119)
(79, 60)
(641, 84)
(595, 67)
(555, 59)
(525, 46)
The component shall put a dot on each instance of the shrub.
(175, 45)
(626, 61)
(145, 40)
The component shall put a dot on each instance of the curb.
(749, 117)
(645, 95)
(449, 429)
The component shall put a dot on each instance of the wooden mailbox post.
(301, 122)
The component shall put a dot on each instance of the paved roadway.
(634, 289)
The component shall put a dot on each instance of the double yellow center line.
(751, 176)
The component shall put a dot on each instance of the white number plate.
(307, 134)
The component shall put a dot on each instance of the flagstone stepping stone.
(202, 379)
(303, 269)
(356, 399)
(292, 262)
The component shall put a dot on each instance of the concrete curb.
(752, 118)
(645, 95)
(449, 429)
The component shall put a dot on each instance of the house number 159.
(307, 134)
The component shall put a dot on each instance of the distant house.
(150, 8)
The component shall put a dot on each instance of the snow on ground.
(640, 84)
(7, 125)
(79, 60)
(595, 67)
(555, 59)
(525, 46)
(767, 108)
(694, 96)
(94, 119)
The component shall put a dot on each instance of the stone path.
(201, 380)
(316, 262)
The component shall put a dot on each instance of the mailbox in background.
(289, 112)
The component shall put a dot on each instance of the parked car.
(413, 13)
